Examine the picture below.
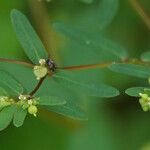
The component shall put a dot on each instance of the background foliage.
(112, 122)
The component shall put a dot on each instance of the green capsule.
(32, 110)
(40, 72)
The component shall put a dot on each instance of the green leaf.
(94, 41)
(87, 1)
(91, 89)
(146, 56)
(131, 69)
(19, 117)
(51, 100)
(97, 16)
(3, 92)
(6, 116)
(106, 12)
(70, 109)
(134, 91)
(27, 37)
(10, 82)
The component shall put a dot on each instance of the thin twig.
(14, 61)
(141, 12)
(37, 87)
(84, 67)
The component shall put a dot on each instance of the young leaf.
(70, 109)
(134, 91)
(91, 89)
(19, 117)
(146, 56)
(27, 37)
(131, 69)
(93, 41)
(50, 101)
(10, 82)
(6, 116)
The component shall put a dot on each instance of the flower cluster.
(144, 101)
(24, 102)
(29, 104)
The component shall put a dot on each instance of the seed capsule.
(40, 71)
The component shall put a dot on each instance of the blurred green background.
(114, 124)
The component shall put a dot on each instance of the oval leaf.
(27, 37)
(19, 117)
(51, 100)
(134, 91)
(6, 116)
(91, 89)
(70, 109)
(131, 69)
(146, 56)
(91, 40)
(10, 82)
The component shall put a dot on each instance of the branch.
(37, 87)
(14, 61)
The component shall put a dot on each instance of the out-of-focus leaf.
(146, 56)
(93, 41)
(10, 82)
(6, 116)
(131, 69)
(3, 92)
(91, 89)
(87, 1)
(19, 117)
(27, 37)
(51, 100)
(134, 91)
(97, 15)
(70, 109)
(107, 11)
